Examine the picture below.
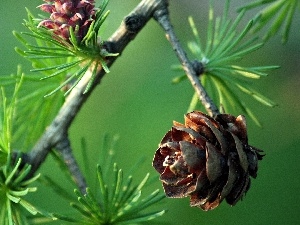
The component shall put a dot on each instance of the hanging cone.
(207, 159)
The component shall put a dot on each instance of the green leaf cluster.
(118, 203)
(223, 76)
(7, 111)
(53, 56)
(13, 188)
(280, 11)
(14, 185)
(28, 107)
(116, 199)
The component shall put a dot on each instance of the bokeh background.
(138, 102)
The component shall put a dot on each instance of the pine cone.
(207, 159)
(66, 14)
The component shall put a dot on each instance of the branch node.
(134, 23)
(198, 67)
(110, 47)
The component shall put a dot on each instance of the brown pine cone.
(207, 159)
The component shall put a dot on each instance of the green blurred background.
(138, 102)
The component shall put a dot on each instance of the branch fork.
(56, 135)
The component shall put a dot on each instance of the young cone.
(77, 14)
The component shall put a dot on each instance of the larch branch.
(57, 132)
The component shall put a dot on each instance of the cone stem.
(162, 17)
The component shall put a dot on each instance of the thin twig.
(162, 17)
(64, 148)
